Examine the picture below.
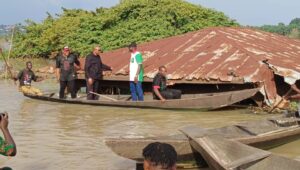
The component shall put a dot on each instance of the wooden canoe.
(224, 154)
(196, 101)
(263, 134)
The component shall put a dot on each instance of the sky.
(246, 12)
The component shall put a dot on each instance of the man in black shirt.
(27, 75)
(93, 71)
(160, 90)
(65, 72)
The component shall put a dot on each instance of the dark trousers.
(93, 88)
(170, 94)
(70, 85)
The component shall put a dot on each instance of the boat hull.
(263, 134)
(197, 101)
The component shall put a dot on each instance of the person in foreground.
(160, 90)
(7, 146)
(94, 72)
(25, 77)
(65, 72)
(159, 156)
(136, 73)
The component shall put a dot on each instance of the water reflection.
(65, 136)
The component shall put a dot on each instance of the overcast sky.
(246, 12)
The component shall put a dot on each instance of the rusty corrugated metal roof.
(214, 54)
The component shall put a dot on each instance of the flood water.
(62, 136)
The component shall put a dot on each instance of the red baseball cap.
(66, 48)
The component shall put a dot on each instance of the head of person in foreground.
(159, 156)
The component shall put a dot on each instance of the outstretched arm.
(106, 67)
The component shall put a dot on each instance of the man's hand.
(4, 121)
(39, 79)
(15, 78)
(135, 79)
(171, 83)
(90, 81)
(163, 100)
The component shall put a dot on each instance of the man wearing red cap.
(65, 72)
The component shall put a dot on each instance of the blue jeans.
(136, 91)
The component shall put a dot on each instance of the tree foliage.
(130, 20)
(292, 29)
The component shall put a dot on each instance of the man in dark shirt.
(65, 72)
(27, 75)
(93, 71)
(160, 90)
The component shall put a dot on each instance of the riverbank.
(39, 65)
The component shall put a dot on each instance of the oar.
(7, 66)
(109, 98)
(6, 63)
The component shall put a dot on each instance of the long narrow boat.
(263, 134)
(196, 101)
(224, 154)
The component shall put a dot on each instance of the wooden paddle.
(6, 63)
(100, 95)
(8, 67)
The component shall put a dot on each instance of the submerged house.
(215, 59)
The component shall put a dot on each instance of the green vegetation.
(130, 20)
(292, 30)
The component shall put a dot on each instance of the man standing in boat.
(160, 90)
(65, 72)
(136, 73)
(93, 71)
(25, 77)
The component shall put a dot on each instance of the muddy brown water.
(64, 136)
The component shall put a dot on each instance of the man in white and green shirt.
(136, 73)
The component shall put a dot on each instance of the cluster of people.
(159, 85)
(67, 63)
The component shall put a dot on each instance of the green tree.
(292, 30)
(130, 20)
